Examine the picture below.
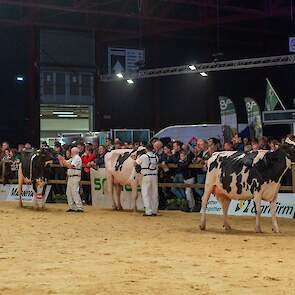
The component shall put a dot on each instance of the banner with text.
(254, 118)
(285, 207)
(99, 192)
(228, 117)
(8, 192)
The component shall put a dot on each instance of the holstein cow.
(120, 171)
(243, 176)
(34, 170)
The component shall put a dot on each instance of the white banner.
(8, 192)
(100, 196)
(285, 207)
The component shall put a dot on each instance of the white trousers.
(149, 193)
(73, 196)
(189, 193)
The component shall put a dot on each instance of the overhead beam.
(209, 67)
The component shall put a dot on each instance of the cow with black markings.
(34, 170)
(120, 169)
(247, 175)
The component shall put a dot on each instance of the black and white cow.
(243, 176)
(120, 171)
(34, 169)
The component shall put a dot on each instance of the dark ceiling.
(130, 19)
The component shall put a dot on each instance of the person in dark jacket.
(184, 175)
(99, 161)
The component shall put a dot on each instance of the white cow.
(120, 169)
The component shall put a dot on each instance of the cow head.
(39, 186)
(289, 148)
(138, 152)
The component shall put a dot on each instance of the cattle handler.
(147, 165)
(74, 166)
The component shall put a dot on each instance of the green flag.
(271, 98)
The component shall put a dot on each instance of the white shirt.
(148, 163)
(77, 163)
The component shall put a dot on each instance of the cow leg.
(257, 200)
(273, 207)
(205, 199)
(118, 190)
(134, 196)
(225, 202)
(20, 185)
(110, 186)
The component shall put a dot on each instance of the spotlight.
(192, 67)
(20, 78)
(130, 81)
(203, 74)
(119, 75)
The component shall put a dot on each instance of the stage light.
(203, 74)
(130, 81)
(20, 78)
(119, 75)
(62, 113)
(192, 67)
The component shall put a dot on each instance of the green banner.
(228, 117)
(271, 98)
(254, 118)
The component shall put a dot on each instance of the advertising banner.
(228, 117)
(254, 118)
(8, 192)
(285, 207)
(99, 192)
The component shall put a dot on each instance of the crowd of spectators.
(197, 151)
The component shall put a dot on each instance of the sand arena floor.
(105, 252)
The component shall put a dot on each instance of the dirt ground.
(105, 252)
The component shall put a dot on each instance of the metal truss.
(208, 67)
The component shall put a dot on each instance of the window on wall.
(67, 87)
(86, 88)
(48, 83)
(74, 84)
(60, 83)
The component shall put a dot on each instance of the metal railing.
(285, 188)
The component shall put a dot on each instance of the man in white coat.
(147, 164)
(74, 166)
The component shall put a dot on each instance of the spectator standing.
(255, 145)
(109, 145)
(81, 147)
(263, 143)
(274, 145)
(5, 146)
(237, 143)
(158, 149)
(184, 175)
(189, 153)
(176, 148)
(99, 160)
(87, 161)
(201, 156)
(228, 146)
(58, 173)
